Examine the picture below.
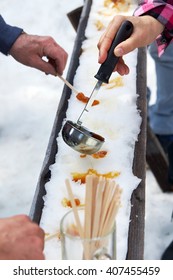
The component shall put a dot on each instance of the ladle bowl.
(81, 139)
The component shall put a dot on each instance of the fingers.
(57, 57)
(126, 46)
(146, 29)
(57, 65)
(46, 66)
(51, 66)
(104, 45)
(122, 69)
(107, 38)
(31, 50)
(26, 226)
(21, 239)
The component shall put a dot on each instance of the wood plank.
(137, 217)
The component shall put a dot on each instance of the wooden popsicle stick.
(51, 236)
(68, 84)
(108, 207)
(88, 216)
(107, 196)
(113, 209)
(88, 206)
(111, 220)
(98, 203)
(107, 220)
(94, 191)
(74, 207)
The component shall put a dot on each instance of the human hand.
(31, 50)
(146, 30)
(20, 239)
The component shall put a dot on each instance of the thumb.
(125, 47)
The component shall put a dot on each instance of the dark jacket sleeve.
(8, 35)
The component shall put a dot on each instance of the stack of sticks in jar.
(102, 201)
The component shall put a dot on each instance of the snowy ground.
(28, 104)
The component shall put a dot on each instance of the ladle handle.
(108, 66)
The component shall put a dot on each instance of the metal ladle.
(74, 134)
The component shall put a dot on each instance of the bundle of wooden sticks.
(102, 201)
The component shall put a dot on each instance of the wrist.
(17, 43)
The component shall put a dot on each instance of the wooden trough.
(135, 249)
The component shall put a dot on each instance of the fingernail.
(118, 52)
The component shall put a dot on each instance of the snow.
(28, 104)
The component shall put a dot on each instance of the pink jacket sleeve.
(163, 12)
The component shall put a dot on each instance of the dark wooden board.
(137, 217)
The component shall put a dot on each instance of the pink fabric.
(163, 12)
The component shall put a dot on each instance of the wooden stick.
(51, 236)
(107, 196)
(112, 211)
(115, 208)
(102, 201)
(68, 84)
(74, 207)
(88, 206)
(94, 191)
(98, 203)
(88, 217)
